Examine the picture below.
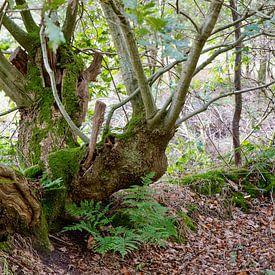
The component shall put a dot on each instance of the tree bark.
(237, 84)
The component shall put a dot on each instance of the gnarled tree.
(48, 82)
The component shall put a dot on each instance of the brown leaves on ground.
(226, 241)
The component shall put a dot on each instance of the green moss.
(239, 200)
(65, 163)
(38, 135)
(209, 183)
(5, 246)
(187, 221)
(42, 234)
(129, 128)
(6, 180)
(33, 171)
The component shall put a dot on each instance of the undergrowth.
(140, 219)
(256, 178)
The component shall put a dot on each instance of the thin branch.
(247, 15)
(9, 111)
(205, 106)
(50, 72)
(26, 15)
(70, 19)
(187, 16)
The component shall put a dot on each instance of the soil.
(226, 241)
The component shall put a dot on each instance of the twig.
(205, 106)
(9, 111)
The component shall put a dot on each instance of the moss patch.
(5, 246)
(65, 163)
(33, 171)
(187, 221)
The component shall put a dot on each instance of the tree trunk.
(42, 128)
(237, 84)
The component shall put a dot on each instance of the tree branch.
(187, 16)
(247, 15)
(9, 111)
(70, 19)
(13, 83)
(190, 66)
(26, 15)
(128, 74)
(218, 52)
(50, 72)
(19, 35)
(147, 98)
(205, 106)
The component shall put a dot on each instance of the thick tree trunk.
(122, 162)
(42, 127)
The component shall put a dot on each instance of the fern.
(94, 217)
(122, 240)
(49, 184)
(148, 221)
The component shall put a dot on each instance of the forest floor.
(226, 241)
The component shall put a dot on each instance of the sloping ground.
(225, 241)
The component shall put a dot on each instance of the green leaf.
(55, 34)
(157, 24)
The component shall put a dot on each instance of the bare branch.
(247, 15)
(70, 20)
(187, 16)
(27, 17)
(54, 90)
(9, 111)
(218, 52)
(97, 123)
(93, 70)
(190, 66)
(205, 106)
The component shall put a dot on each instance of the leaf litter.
(224, 240)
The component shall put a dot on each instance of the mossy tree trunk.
(42, 128)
